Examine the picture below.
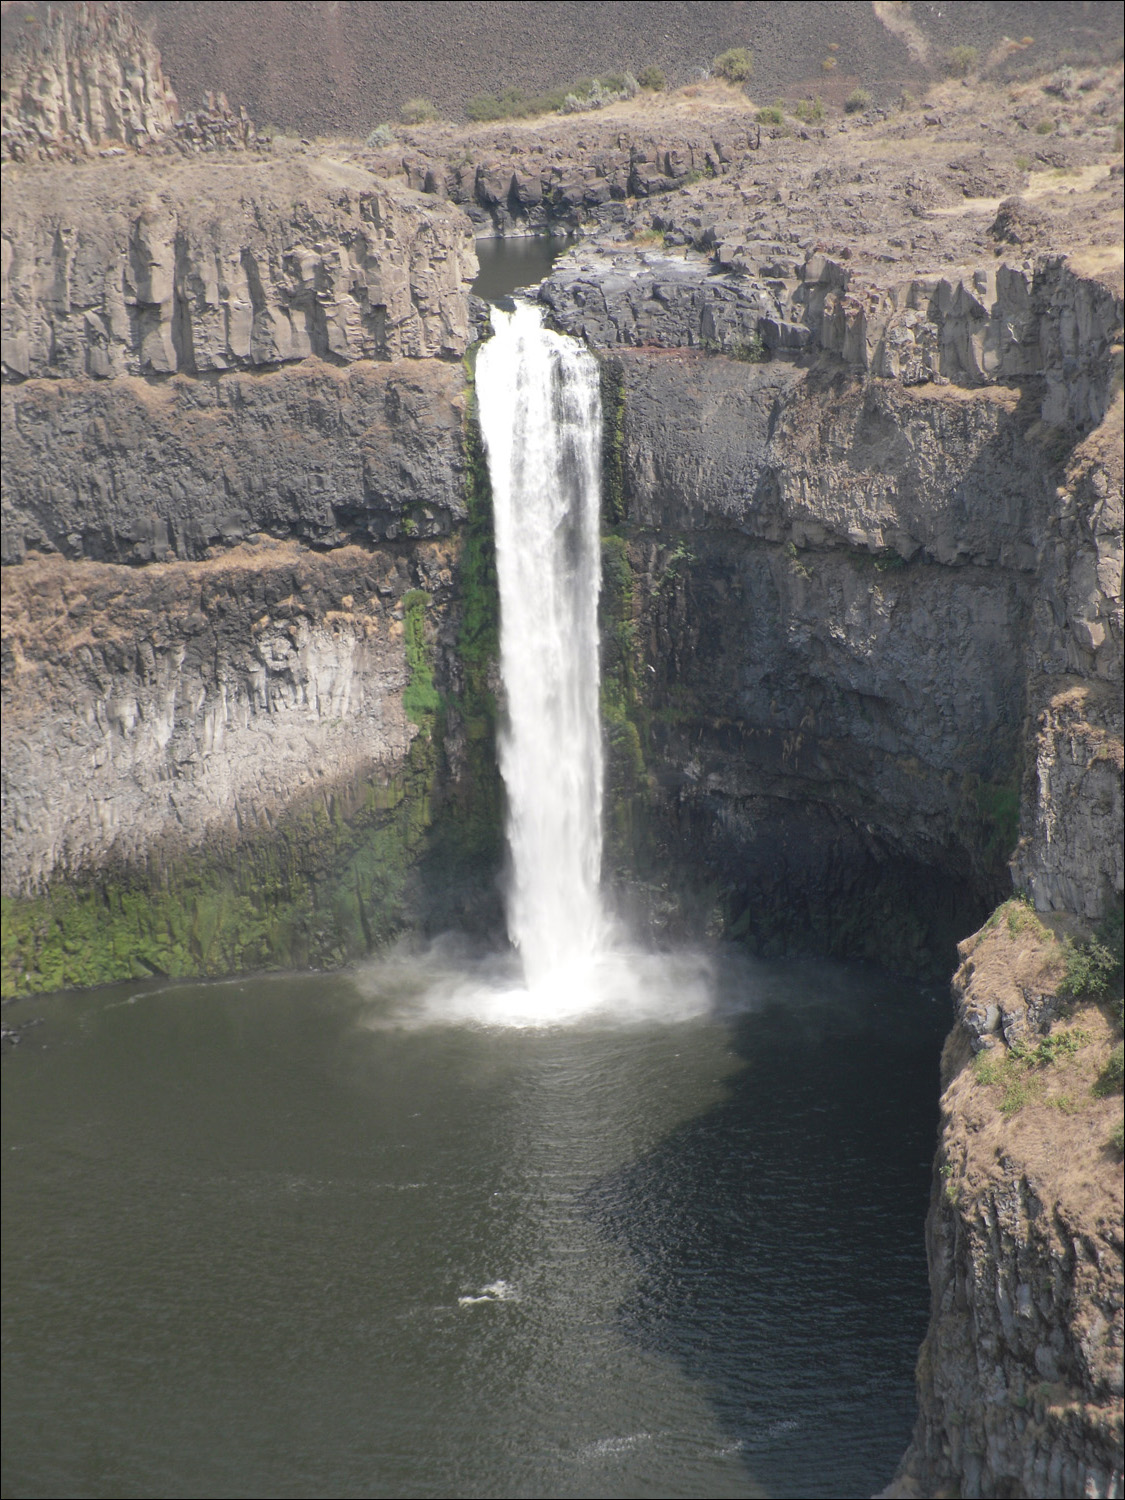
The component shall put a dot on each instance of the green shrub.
(809, 110)
(1116, 1140)
(383, 135)
(1014, 1071)
(828, 65)
(1111, 1079)
(961, 61)
(513, 103)
(1089, 969)
(750, 350)
(857, 101)
(418, 112)
(652, 79)
(772, 114)
(593, 93)
(736, 64)
(1063, 1044)
(1044, 127)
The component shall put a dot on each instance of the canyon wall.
(857, 570)
(856, 598)
(235, 502)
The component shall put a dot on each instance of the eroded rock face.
(506, 187)
(193, 271)
(212, 759)
(88, 79)
(832, 583)
(1020, 1375)
(979, 326)
(197, 696)
(1070, 858)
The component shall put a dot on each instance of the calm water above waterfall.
(246, 1226)
(508, 264)
(577, 1219)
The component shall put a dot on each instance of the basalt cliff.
(862, 626)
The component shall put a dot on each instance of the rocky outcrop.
(508, 189)
(82, 80)
(994, 325)
(197, 697)
(1070, 857)
(1020, 1375)
(135, 272)
(635, 300)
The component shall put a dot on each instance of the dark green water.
(506, 265)
(245, 1225)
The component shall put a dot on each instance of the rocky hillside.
(341, 69)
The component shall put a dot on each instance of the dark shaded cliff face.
(833, 728)
(129, 471)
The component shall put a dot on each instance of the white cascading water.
(540, 415)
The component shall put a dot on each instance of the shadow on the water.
(800, 1316)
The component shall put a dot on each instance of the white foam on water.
(617, 987)
(494, 1291)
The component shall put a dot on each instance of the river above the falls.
(305, 1235)
(514, 262)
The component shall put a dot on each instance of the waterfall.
(540, 416)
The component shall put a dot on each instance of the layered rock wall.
(194, 270)
(199, 698)
(1020, 1375)
(987, 325)
(233, 510)
(139, 471)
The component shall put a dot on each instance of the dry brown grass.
(1040, 1120)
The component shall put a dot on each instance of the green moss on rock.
(332, 881)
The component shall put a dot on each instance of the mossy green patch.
(420, 698)
(330, 882)
(998, 804)
(613, 443)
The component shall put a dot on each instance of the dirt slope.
(344, 66)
